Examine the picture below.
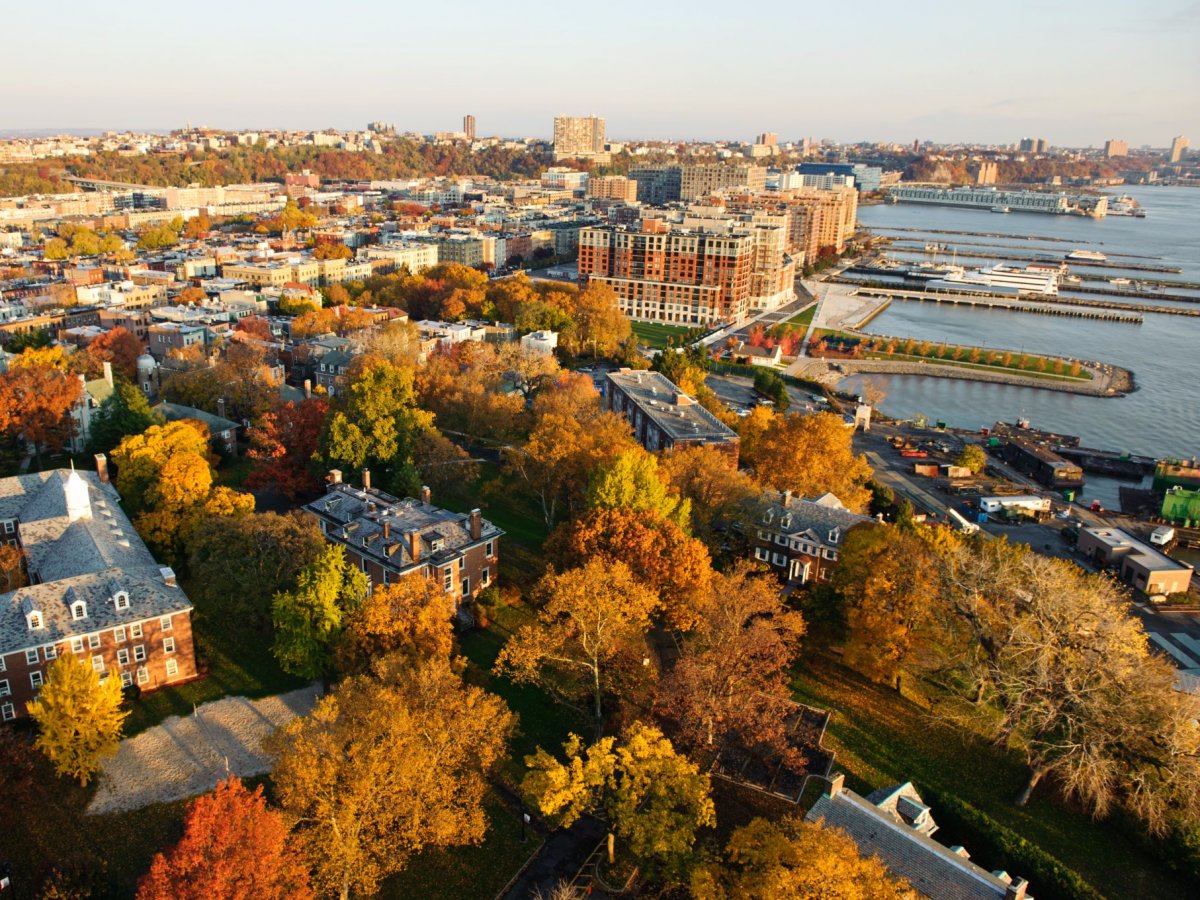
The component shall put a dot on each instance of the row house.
(390, 539)
(95, 591)
(800, 539)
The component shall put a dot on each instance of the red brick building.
(95, 591)
(800, 539)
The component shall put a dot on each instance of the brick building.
(800, 539)
(95, 591)
(663, 417)
(390, 539)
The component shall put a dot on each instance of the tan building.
(698, 181)
(612, 187)
(1137, 564)
(987, 172)
(1114, 148)
(578, 137)
(274, 273)
(1179, 147)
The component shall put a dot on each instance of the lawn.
(803, 318)
(881, 739)
(655, 335)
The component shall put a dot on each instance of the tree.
(792, 858)
(811, 455)
(384, 768)
(12, 568)
(141, 458)
(55, 248)
(676, 567)
(239, 563)
(233, 846)
(599, 325)
(123, 413)
(655, 799)
(36, 401)
(730, 686)
(308, 619)
(716, 489)
(293, 218)
(446, 468)
(972, 457)
(331, 250)
(78, 716)
(119, 347)
(283, 444)
(411, 617)
(630, 481)
(593, 624)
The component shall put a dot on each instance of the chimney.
(387, 529)
(221, 407)
(168, 576)
(108, 376)
(334, 477)
(102, 467)
(307, 388)
(1016, 890)
(476, 524)
(366, 479)
(787, 499)
(426, 495)
(835, 784)
(414, 544)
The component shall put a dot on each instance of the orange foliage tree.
(35, 402)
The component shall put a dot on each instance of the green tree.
(655, 799)
(123, 413)
(55, 248)
(631, 482)
(309, 618)
(79, 717)
(972, 457)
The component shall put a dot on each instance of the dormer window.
(769, 516)
(35, 621)
(79, 610)
(121, 600)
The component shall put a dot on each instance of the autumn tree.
(239, 563)
(793, 858)
(309, 618)
(588, 635)
(446, 468)
(387, 767)
(466, 389)
(141, 458)
(598, 325)
(123, 413)
(332, 250)
(233, 846)
(972, 457)
(117, 346)
(79, 717)
(654, 798)
(36, 402)
(709, 480)
(411, 617)
(811, 455)
(283, 443)
(630, 481)
(730, 686)
(12, 568)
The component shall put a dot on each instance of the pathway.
(183, 757)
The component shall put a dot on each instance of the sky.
(1075, 72)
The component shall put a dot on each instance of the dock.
(993, 302)
(1108, 462)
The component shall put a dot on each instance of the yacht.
(1000, 209)
(1087, 255)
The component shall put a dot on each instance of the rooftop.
(1131, 548)
(824, 519)
(680, 416)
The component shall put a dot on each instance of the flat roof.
(676, 413)
(1144, 553)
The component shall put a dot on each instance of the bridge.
(99, 184)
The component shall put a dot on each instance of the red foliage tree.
(282, 446)
(119, 347)
(256, 326)
(36, 402)
(232, 846)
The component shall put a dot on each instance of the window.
(761, 553)
(5, 690)
(139, 653)
(94, 641)
(165, 623)
(98, 663)
(3, 664)
(10, 526)
(135, 630)
(122, 657)
(169, 645)
(31, 657)
(35, 621)
(79, 610)
(172, 668)
(143, 675)
(35, 679)
(779, 559)
(7, 712)
(462, 563)
(126, 679)
(486, 577)
(119, 634)
(466, 587)
(121, 600)
(76, 645)
(51, 652)
(448, 579)
(488, 549)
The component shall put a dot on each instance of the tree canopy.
(79, 717)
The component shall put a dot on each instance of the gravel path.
(184, 757)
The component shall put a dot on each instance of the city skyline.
(1088, 72)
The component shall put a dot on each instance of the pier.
(1107, 462)
(1002, 303)
(1048, 257)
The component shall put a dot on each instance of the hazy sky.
(1073, 71)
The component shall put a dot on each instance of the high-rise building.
(612, 187)
(1034, 145)
(671, 275)
(1114, 147)
(704, 179)
(987, 172)
(767, 138)
(1178, 147)
(469, 127)
(578, 136)
(819, 220)
(657, 185)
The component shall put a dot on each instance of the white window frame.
(164, 624)
(485, 576)
(36, 679)
(31, 657)
(77, 645)
(143, 675)
(98, 663)
(126, 679)
(123, 656)
(466, 586)
(78, 610)
(762, 553)
(135, 630)
(172, 668)
(448, 578)
(121, 600)
(3, 665)
(5, 689)
(489, 549)
(168, 645)
(51, 652)
(94, 641)
(119, 634)
(139, 653)
(35, 621)
(8, 712)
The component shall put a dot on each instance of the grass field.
(881, 739)
(805, 318)
(655, 336)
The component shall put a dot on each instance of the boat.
(1125, 206)
(1000, 209)
(1119, 282)
(1001, 280)
(1087, 255)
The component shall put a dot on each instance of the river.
(1161, 418)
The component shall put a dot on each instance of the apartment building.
(663, 417)
(564, 179)
(657, 185)
(612, 187)
(817, 219)
(698, 181)
(167, 336)
(95, 592)
(578, 137)
(300, 270)
(670, 275)
(800, 539)
(416, 256)
(1114, 148)
(773, 270)
(390, 539)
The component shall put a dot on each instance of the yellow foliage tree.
(411, 617)
(811, 455)
(79, 718)
(141, 458)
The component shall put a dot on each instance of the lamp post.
(524, 826)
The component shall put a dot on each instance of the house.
(222, 431)
(540, 342)
(390, 539)
(332, 371)
(757, 356)
(800, 539)
(895, 825)
(95, 590)
(1138, 564)
(663, 417)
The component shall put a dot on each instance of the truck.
(961, 523)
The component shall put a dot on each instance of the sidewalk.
(564, 853)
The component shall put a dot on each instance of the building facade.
(800, 539)
(1137, 564)
(657, 185)
(95, 592)
(578, 137)
(612, 187)
(696, 181)
(663, 417)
